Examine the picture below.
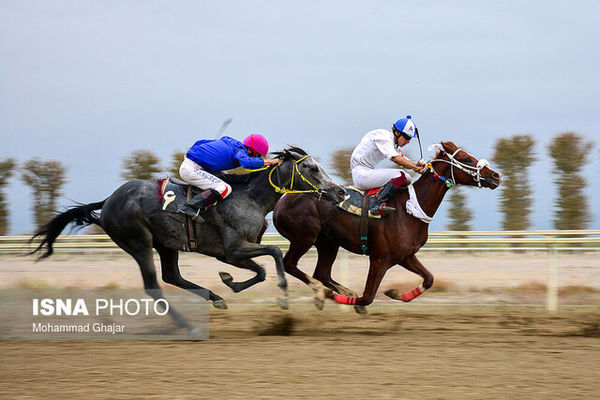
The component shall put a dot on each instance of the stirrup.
(196, 217)
(383, 209)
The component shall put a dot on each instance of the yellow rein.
(294, 171)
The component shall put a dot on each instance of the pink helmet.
(258, 143)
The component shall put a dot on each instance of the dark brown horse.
(394, 239)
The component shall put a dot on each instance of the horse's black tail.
(81, 215)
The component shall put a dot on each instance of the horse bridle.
(474, 172)
(295, 171)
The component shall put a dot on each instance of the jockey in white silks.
(378, 145)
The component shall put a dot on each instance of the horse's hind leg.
(414, 265)
(327, 251)
(290, 263)
(169, 262)
(141, 250)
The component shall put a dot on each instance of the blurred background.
(98, 88)
(94, 93)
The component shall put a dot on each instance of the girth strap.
(191, 225)
(364, 225)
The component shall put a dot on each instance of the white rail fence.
(465, 241)
(549, 241)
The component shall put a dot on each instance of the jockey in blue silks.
(206, 157)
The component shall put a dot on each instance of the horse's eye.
(468, 161)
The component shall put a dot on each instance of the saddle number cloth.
(172, 194)
(353, 204)
(353, 201)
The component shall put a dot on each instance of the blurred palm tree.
(459, 213)
(340, 163)
(513, 157)
(7, 168)
(569, 152)
(46, 179)
(140, 164)
(176, 160)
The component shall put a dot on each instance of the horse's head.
(457, 166)
(301, 173)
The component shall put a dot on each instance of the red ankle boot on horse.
(388, 241)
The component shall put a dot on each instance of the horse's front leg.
(240, 255)
(377, 270)
(245, 264)
(414, 265)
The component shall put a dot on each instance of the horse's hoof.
(283, 303)
(319, 303)
(226, 277)
(319, 290)
(198, 334)
(220, 304)
(361, 310)
(392, 293)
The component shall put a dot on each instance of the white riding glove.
(422, 163)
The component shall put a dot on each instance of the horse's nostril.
(496, 175)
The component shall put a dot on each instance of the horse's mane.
(243, 179)
(287, 153)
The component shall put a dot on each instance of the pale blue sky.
(87, 82)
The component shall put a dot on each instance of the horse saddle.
(174, 192)
(353, 202)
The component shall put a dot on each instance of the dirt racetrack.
(482, 335)
(256, 352)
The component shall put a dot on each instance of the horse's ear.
(449, 147)
(437, 147)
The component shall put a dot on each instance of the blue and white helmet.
(406, 126)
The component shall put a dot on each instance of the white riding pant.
(366, 178)
(195, 175)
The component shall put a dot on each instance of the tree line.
(47, 178)
(512, 156)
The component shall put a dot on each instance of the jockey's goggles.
(404, 135)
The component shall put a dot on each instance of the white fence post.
(552, 283)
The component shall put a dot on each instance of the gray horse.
(133, 219)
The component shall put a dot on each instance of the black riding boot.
(198, 204)
(379, 206)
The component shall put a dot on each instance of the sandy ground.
(471, 339)
(261, 353)
(479, 278)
